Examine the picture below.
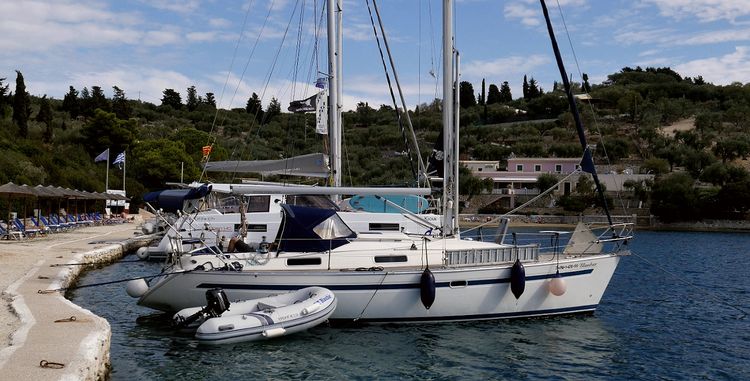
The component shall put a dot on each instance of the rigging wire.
(591, 107)
(211, 138)
(435, 73)
(239, 81)
(268, 76)
(537, 197)
(393, 97)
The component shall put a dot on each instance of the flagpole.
(106, 182)
(124, 163)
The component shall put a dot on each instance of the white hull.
(391, 295)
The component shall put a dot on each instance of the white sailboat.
(397, 277)
(210, 224)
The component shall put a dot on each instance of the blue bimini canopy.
(172, 200)
(306, 229)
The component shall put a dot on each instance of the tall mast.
(339, 91)
(448, 176)
(587, 163)
(333, 101)
(456, 123)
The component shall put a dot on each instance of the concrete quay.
(44, 336)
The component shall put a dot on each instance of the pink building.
(521, 174)
(539, 165)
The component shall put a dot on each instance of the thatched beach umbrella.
(47, 193)
(11, 190)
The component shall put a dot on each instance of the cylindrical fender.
(517, 279)
(427, 288)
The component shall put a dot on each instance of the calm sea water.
(667, 314)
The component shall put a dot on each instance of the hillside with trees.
(700, 170)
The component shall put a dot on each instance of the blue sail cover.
(172, 200)
(306, 229)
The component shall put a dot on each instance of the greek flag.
(120, 159)
(104, 156)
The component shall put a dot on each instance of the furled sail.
(310, 165)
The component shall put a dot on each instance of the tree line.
(54, 141)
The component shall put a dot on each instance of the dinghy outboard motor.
(216, 302)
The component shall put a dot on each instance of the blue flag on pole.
(120, 159)
(104, 156)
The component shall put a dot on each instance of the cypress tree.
(70, 103)
(525, 88)
(20, 106)
(505, 94)
(192, 99)
(494, 95)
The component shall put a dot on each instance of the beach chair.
(72, 220)
(28, 232)
(97, 221)
(7, 233)
(60, 222)
(44, 229)
(48, 223)
(85, 219)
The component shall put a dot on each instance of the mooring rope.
(89, 263)
(51, 365)
(110, 282)
(707, 292)
(372, 297)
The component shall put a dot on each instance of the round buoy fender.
(427, 288)
(517, 279)
(142, 253)
(557, 285)
(148, 228)
(136, 287)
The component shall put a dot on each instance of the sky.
(234, 48)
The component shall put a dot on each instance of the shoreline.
(40, 327)
(709, 226)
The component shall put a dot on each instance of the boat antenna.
(587, 163)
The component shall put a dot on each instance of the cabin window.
(458, 283)
(258, 204)
(519, 167)
(390, 258)
(537, 167)
(333, 227)
(479, 169)
(303, 261)
(259, 228)
(558, 168)
(382, 226)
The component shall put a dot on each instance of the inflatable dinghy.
(221, 322)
